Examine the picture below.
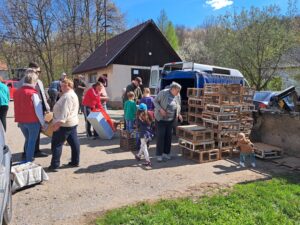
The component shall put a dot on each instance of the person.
(91, 101)
(130, 111)
(65, 122)
(53, 92)
(79, 87)
(167, 109)
(246, 149)
(148, 100)
(144, 124)
(4, 101)
(28, 112)
(135, 88)
(46, 108)
(103, 93)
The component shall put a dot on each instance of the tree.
(162, 21)
(171, 36)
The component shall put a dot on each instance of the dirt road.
(109, 178)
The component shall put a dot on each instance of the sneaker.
(253, 165)
(137, 157)
(147, 163)
(52, 169)
(242, 164)
(159, 158)
(167, 156)
(39, 154)
(73, 164)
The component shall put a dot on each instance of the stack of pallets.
(184, 111)
(197, 143)
(127, 140)
(195, 105)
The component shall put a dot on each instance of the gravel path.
(110, 178)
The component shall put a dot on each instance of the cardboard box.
(100, 125)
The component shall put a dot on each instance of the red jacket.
(23, 105)
(92, 99)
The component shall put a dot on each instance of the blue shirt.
(55, 85)
(4, 94)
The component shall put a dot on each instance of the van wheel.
(8, 208)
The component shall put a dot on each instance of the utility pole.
(105, 27)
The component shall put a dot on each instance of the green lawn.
(275, 201)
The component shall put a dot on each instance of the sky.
(191, 13)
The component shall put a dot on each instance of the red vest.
(92, 99)
(23, 105)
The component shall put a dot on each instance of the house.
(126, 56)
(3, 70)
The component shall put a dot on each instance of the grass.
(275, 201)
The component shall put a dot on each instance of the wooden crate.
(218, 135)
(224, 89)
(200, 146)
(218, 117)
(222, 99)
(225, 143)
(223, 126)
(203, 156)
(195, 92)
(223, 108)
(128, 144)
(195, 102)
(247, 108)
(226, 153)
(194, 133)
(195, 119)
(195, 109)
(265, 151)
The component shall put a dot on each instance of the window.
(92, 78)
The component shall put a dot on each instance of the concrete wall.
(281, 130)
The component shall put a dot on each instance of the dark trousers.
(58, 139)
(163, 137)
(3, 113)
(88, 126)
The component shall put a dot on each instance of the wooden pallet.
(195, 102)
(248, 91)
(227, 89)
(222, 108)
(265, 151)
(128, 144)
(194, 133)
(225, 135)
(202, 157)
(291, 162)
(195, 92)
(225, 143)
(195, 119)
(200, 146)
(247, 108)
(195, 109)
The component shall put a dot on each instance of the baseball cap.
(138, 79)
(142, 107)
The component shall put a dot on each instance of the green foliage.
(275, 84)
(162, 21)
(265, 202)
(171, 36)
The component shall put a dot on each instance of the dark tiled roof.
(115, 46)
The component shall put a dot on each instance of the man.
(41, 92)
(135, 88)
(53, 92)
(79, 87)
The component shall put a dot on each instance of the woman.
(91, 101)
(29, 112)
(65, 121)
(167, 109)
(4, 101)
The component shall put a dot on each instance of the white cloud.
(219, 4)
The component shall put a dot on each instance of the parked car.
(5, 181)
(12, 85)
(261, 99)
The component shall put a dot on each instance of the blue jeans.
(57, 142)
(86, 111)
(243, 157)
(30, 132)
(129, 125)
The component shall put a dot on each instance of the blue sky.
(191, 13)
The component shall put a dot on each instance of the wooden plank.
(234, 109)
(200, 146)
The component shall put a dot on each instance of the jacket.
(92, 99)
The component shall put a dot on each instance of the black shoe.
(52, 169)
(40, 154)
(73, 164)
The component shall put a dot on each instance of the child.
(144, 127)
(246, 149)
(130, 111)
(148, 100)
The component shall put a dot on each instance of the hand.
(180, 118)
(163, 113)
(56, 126)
